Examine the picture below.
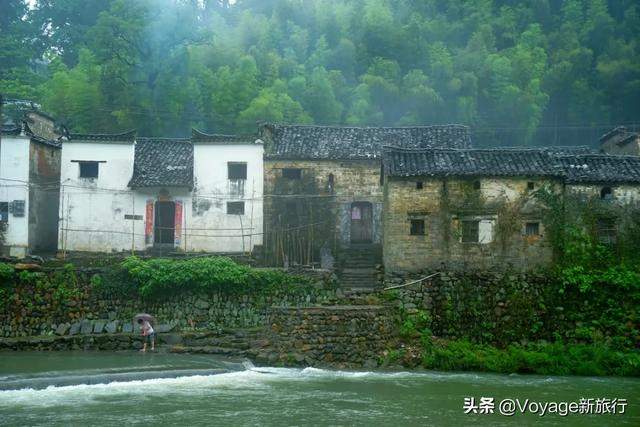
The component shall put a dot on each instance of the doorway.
(164, 224)
(361, 222)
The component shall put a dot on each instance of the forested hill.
(517, 72)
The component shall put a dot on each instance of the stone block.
(62, 328)
(111, 327)
(75, 328)
(127, 328)
(86, 327)
(98, 326)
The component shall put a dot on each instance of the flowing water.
(118, 389)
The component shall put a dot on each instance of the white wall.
(92, 211)
(14, 170)
(210, 228)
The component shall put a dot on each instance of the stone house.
(620, 141)
(324, 197)
(605, 186)
(126, 193)
(29, 184)
(466, 208)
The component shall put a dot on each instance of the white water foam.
(253, 378)
(84, 393)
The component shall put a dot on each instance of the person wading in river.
(148, 333)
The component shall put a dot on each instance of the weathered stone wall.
(622, 193)
(91, 315)
(325, 203)
(503, 207)
(333, 334)
(501, 307)
(612, 146)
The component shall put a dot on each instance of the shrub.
(161, 277)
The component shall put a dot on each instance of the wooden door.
(361, 222)
(164, 224)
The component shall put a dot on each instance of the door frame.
(363, 205)
(158, 234)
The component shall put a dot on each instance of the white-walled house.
(122, 193)
(29, 184)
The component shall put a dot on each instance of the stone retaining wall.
(334, 335)
(183, 313)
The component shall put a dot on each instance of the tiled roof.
(162, 162)
(332, 142)
(621, 135)
(127, 136)
(199, 136)
(569, 149)
(601, 168)
(469, 162)
(11, 129)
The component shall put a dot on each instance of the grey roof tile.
(336, 142)
(601, 168)
(162, 162)
(470, 162)
(127, 136)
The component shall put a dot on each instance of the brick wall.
(503, 208)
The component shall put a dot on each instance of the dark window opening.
(331, 183)
(419, 185)
(89, 169)
(531, 185)
(606, 231)
(237, 170)
(235, 208)
(470, 231)
(606, 193)
(4, 211)
(417, 227)
(476, 185)
(532, 229)
(292, 173)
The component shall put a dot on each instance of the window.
(606, 231)
(235, 208)
(417, 227)
(330, 183)
(292, 173)
(476, 185)
(532, 229)
(606, 193)
(89, 169)
(4, 211)
(470, 231)
(531, 185)
(237, 170)
(419, 185)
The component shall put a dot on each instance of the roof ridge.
(104, 136)
(364, 127)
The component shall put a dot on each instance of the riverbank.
(481, 321)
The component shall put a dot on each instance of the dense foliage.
(159, 277)
(543, 71)
(579, 355)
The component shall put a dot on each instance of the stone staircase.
(358, 266)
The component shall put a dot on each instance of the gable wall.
(14, 167)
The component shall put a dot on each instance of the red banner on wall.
(178, 223)
(148, 225)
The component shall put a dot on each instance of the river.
(118, 389)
